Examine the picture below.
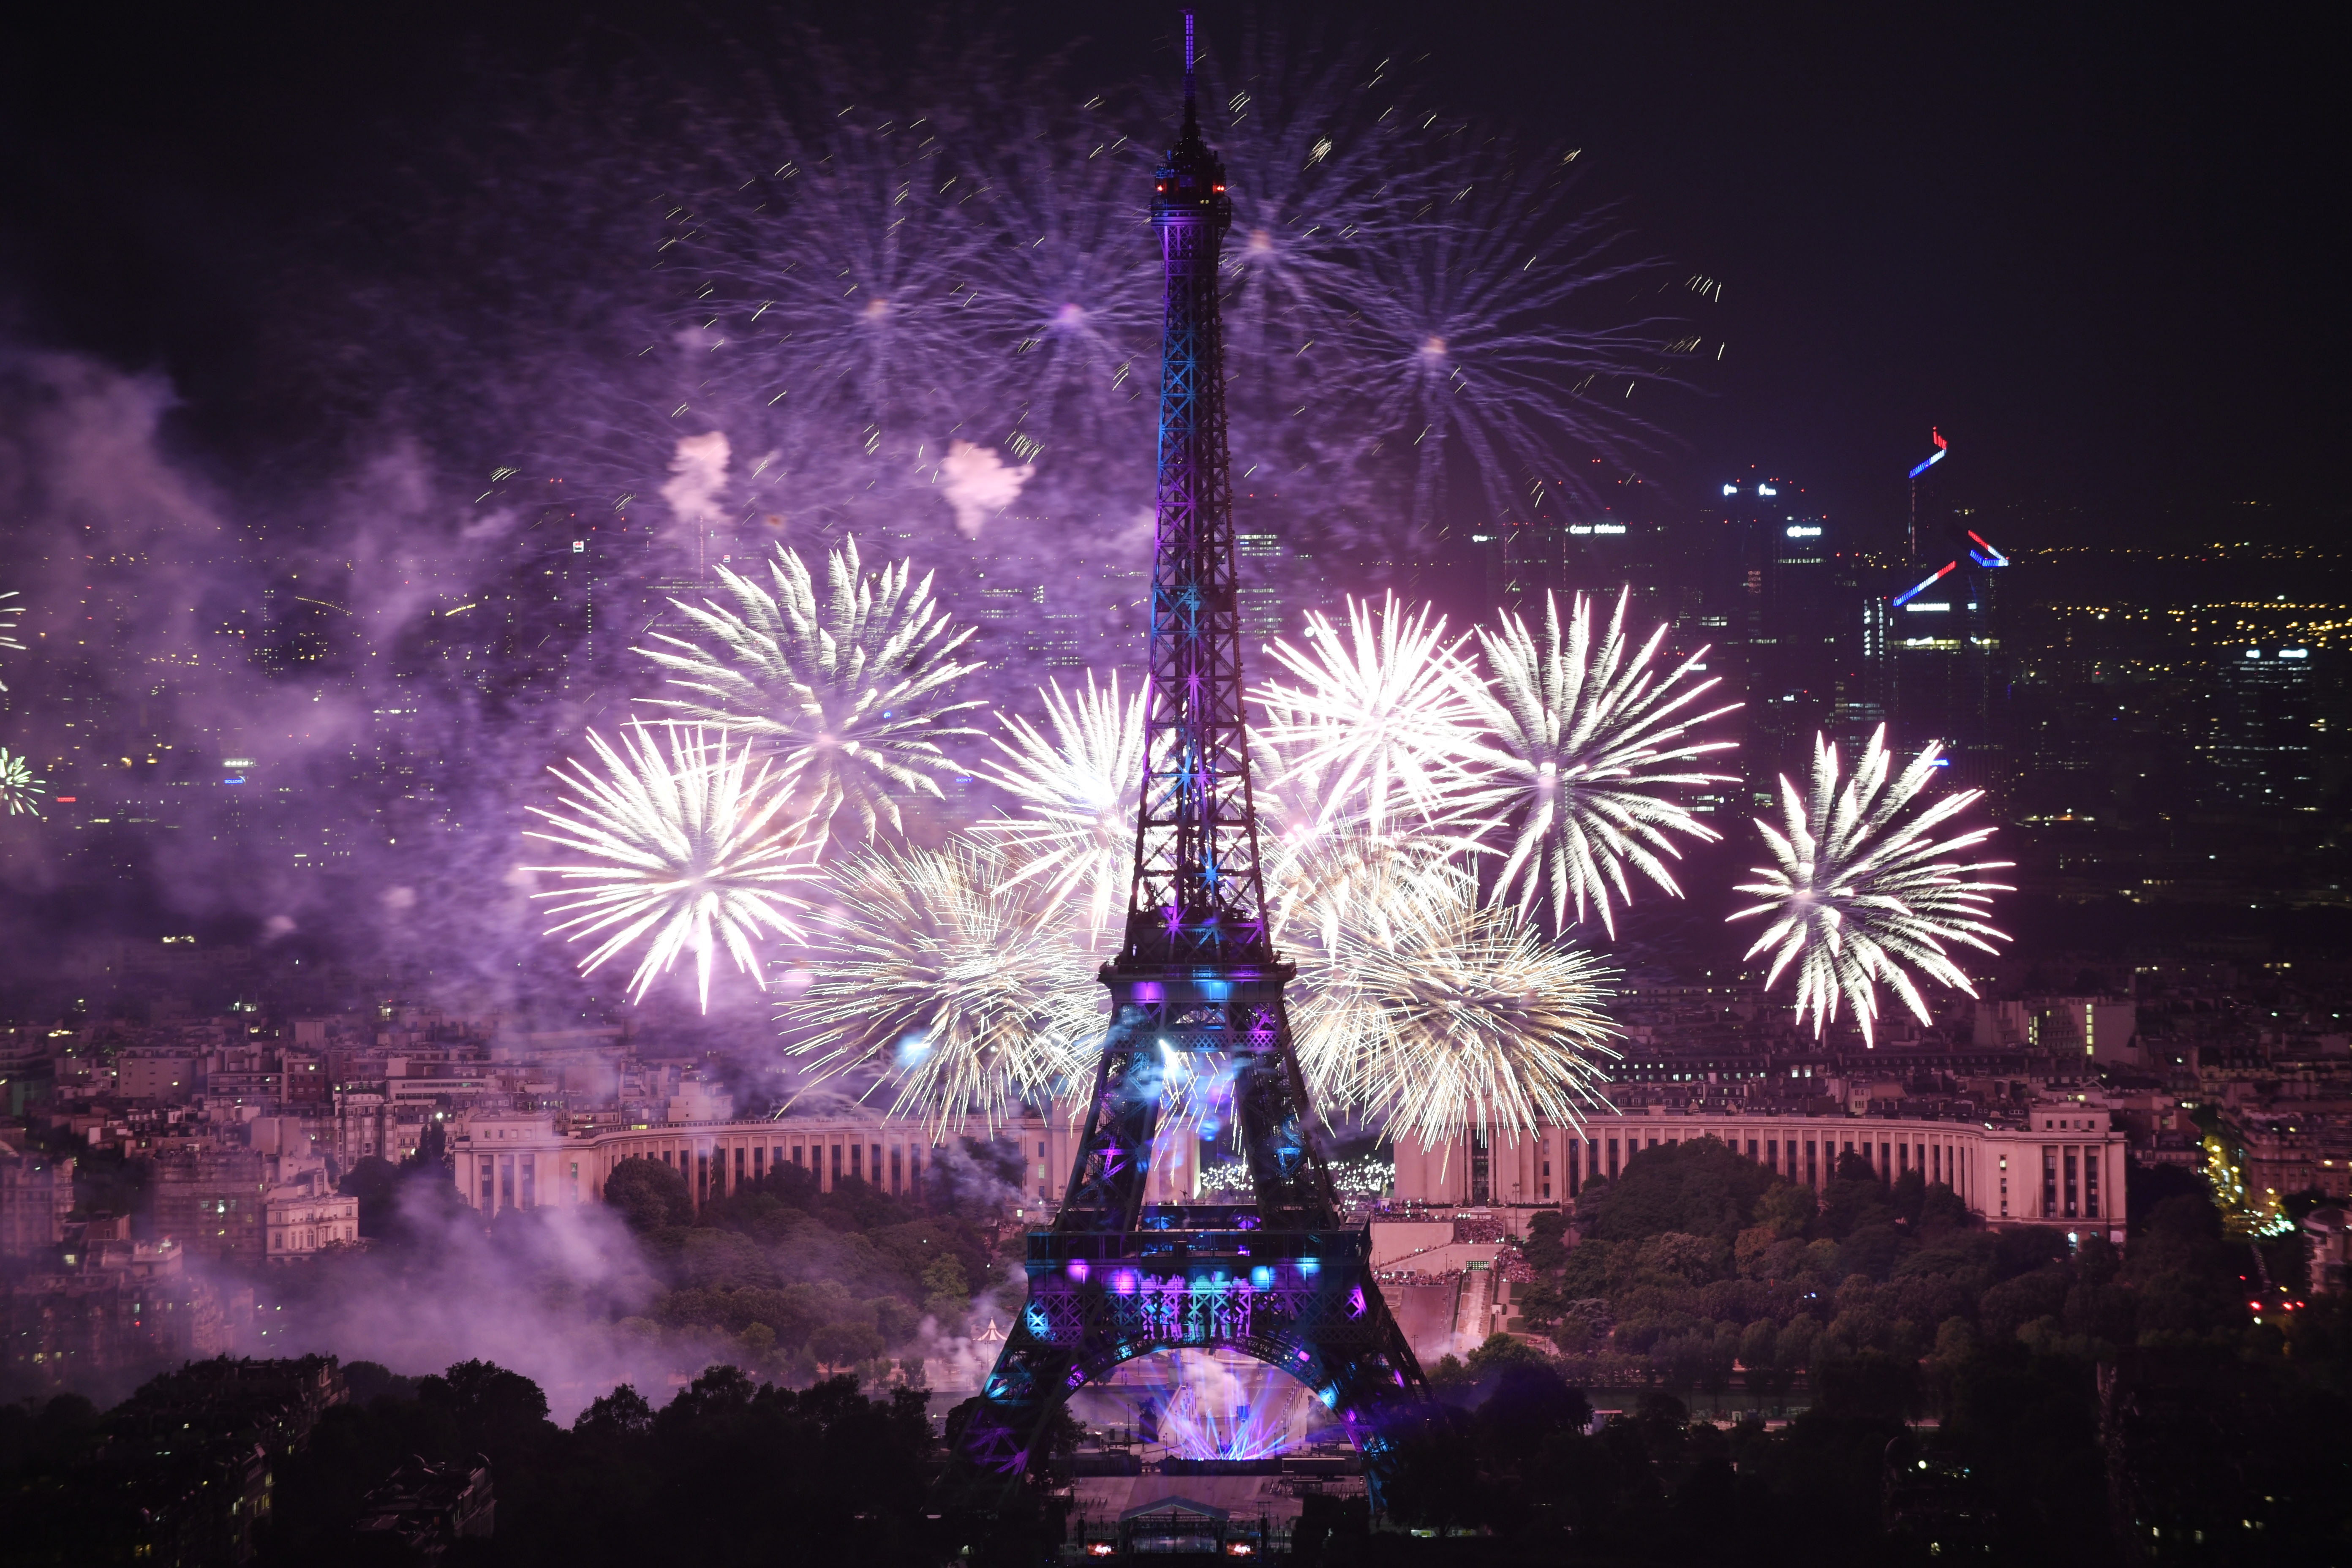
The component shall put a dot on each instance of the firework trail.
(1854, 898)
(19, 788)
(1327, 161)
(949, 984)
(1584, 738)
(907, 264)
(1462, 1018)
(684, 846)
(1496, 338)
(829, 317)
(9, 612)
(848, 691)
(1078, 788)
(1069, 309)
(1382, 715)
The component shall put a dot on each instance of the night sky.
(2092, 244)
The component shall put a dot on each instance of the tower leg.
(1114, 1159)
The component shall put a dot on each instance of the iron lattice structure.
(1282, 1280)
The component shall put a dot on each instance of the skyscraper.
(1785, 611)
(2266, 715)
(1947, 678)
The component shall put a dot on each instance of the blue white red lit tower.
(1197, 977)
(1946, 677)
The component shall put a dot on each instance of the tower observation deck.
(1196, 991)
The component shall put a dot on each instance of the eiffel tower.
(1282, 1278)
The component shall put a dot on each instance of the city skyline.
(1685, 670)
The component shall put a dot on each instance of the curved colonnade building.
(2061, 1166)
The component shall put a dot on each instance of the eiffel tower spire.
(1196, 976)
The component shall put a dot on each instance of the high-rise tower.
(1949, 675)
(1196, 988)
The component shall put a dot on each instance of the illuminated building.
(1525, 561)
(1784, 611)
(1945, 677)
(2266, 721)
(2059, 1167)
(507, 1161)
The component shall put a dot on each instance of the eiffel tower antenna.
(1280, 1279)
(1191, 120)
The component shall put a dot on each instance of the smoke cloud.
(979, 484)
(698, 473)
(545, 1298)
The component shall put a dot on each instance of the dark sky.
(2092, 244)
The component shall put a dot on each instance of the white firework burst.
(1855, 899)
(19, 788)
(1078, 790)
(951, 985)
(1460, 1018)
(1585, 739)
(1326, 873)
(1382, 715)
(683, 846)
(847, 690)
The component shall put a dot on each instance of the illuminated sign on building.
(1942, 448)
(1913, 592)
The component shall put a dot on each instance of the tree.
(1700, 1188)
(946, 1294)
(1786, 1209)
(1908, 1192)
(1437, 1484)
(1531, 1404)
(844, 1343)
(622, 1412)
(497, 1412)
(1689, 1259)
(648, 1196)
(376, 1181)
(1942, 1210)
(1586, 1272)
(1545, 1248)
(1501, 1352)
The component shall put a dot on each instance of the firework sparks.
(1072, 304)
(951, 985)
(1584, 738)
(1463, 1018)
(1856, 899)
(1327, 165)
(9, 612)
(848, 691)
(19, 788)
(684, 846)
(1380, 714)
(1078, 790)
(1326, 873)
(1493, 332)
